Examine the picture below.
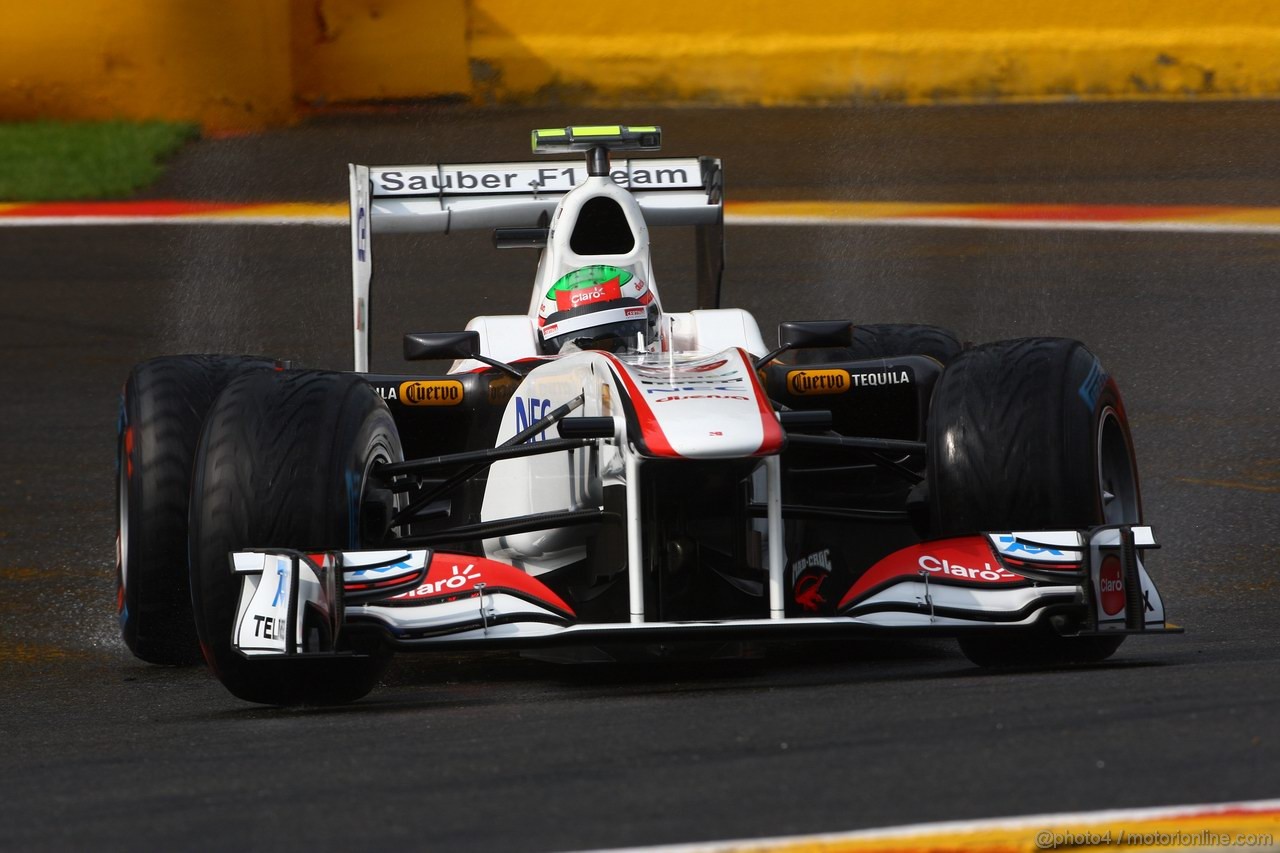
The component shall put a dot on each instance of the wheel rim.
(1117, 478)
(122, 530)
(381, 454)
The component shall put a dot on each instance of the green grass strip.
(63, 161)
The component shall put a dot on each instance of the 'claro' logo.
(431, 392)
(814, 382)
(1111, 585)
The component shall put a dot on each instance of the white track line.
(1154, 225)
(177, 219)
(927, 830)
(1164, 226)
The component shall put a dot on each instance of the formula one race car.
(599, 474)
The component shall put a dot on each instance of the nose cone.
(706, 407)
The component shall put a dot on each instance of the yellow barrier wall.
(358, 50)
(225, 62)
(248, 63)
(804, 51)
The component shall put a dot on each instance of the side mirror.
(815, 333)
(799, 334)
(422, 345)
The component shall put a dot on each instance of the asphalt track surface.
(495, 752)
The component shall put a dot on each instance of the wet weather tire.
(284, 462)
(162, 408)
(1030, 434)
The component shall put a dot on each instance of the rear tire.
(1030, 434)
(283, 463)
(886, 340)
(162, 408)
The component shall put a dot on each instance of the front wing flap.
(294, 603)
(1014, 578)
(1108, 560)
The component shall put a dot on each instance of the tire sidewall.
(162, 408)
(1098, 397)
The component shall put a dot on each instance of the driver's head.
(599, 307)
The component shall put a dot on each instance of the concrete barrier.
(249, 63)
(365, 50)
(225, 63)
(839, 51)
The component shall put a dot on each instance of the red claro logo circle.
(1111, 585)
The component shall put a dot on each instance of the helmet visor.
(611, 328)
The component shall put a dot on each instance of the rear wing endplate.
(441, 198)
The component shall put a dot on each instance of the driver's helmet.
(599, 307)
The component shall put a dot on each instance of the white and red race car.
(600, 474)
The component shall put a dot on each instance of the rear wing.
(441, 198)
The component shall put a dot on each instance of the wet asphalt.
(494, 752)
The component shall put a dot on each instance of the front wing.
(292, 603)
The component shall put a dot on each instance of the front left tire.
(286, 461)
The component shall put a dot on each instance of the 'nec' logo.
(529, 411)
